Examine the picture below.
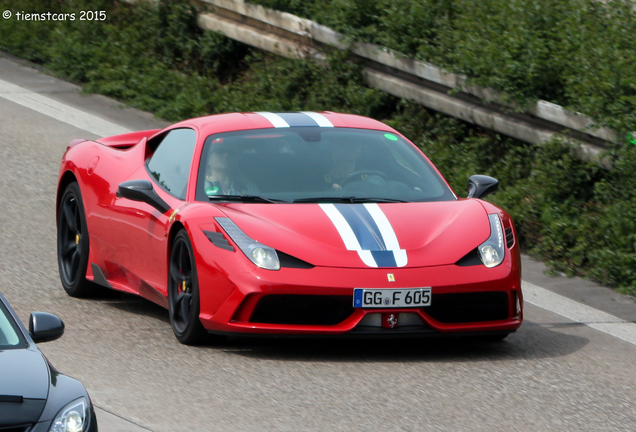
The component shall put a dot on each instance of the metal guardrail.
(291, 36)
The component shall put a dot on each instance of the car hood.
(367, 235)
(25, 373)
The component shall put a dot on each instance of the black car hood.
(24, 386)
(25, 373)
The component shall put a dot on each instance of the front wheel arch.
(67, 178)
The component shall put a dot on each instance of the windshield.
(10, 336)
(312, 164)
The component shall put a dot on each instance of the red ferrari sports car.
(297, 223)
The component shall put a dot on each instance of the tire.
(72, 243)
(183, 292)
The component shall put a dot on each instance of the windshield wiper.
(351, 199)
(244, 198)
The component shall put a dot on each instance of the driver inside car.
(222, 178)
(344, 157)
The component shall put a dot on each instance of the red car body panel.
(423, 229)
(130, 240)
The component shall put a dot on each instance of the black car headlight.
(74, 417)
(261, 255)
(492, 250)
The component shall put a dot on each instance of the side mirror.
(480, 186)
(141, 190)
(45, 327)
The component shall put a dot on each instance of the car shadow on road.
(531, 341)
(134, 304)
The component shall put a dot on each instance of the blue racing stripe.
(384, 258)
(298, 119)
(363, 226)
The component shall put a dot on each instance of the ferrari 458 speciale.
(298, 223)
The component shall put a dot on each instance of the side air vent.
(292, 262)
(510, 240)
(218, 240)
(470, 259)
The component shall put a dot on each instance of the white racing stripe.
(275, 119)
(367, 258)
(318, 118)
(579, 312)
(388, 235)
(59, 111)
(346, 233)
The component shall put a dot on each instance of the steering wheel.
(351, 177)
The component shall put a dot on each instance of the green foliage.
(278, 84)
(576, 53)
(156, 59)
(573, 214)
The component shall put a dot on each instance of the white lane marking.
(318, 118)
(59, 111)
(579, 312)
(275, 119)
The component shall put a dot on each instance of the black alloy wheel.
(183, 292)
(72, 243)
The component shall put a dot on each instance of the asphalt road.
(555, 373)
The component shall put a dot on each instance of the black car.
(34, 397)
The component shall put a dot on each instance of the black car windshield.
(313, 164)
(10, 336)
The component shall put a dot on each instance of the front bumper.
(319, 301)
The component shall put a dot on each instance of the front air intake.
(458, 308)
(292, 309)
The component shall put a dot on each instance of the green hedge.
(576, 53)
(573, 214)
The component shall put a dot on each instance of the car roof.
(258, 120)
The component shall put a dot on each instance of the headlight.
(74, 417)
(261, 255)
(492, 250)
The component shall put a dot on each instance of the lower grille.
(23, 428)
(302, 309)
(469, 307)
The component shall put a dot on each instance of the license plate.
(391, 298)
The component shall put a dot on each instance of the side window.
(170, 164)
